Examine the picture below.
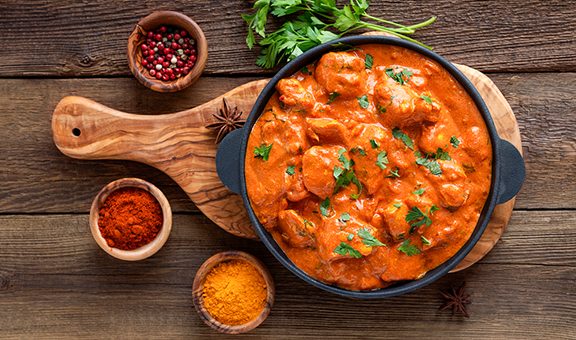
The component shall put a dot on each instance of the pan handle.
(512, 172)
(228, 160)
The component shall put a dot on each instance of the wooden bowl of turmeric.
(130, 219)
(233, 292)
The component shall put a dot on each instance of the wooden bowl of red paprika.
(130, 219)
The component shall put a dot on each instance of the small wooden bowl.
(138, 36)
(198, 287)
(146, 250)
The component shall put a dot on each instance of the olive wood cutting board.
(180, 145)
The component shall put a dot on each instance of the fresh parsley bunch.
(315, 22)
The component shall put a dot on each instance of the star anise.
(456, 299)
(227, 120)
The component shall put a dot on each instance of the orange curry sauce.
(370, 166)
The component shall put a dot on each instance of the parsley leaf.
(426, 98)
(398, 134)
(394, 173)
(419, 192)
(381, 109)
(382, 160)
(430, 164)
(257, 21)
(374, 143)
(345, 217)
(347, 163)
(401, 77)
(325, 207)
(346, 249)
(417, 217)
(369, 61)
(291, 170)
(454, 141)
(363, 101)
(262, 151)
(358, 149)
(408, 248)
(369, 239)
(332, 97)
(425, 241)
(443, 155)
(345, 176)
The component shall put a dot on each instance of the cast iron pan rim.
(404, 286)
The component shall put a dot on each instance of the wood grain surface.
(89, 38)
(56, 283)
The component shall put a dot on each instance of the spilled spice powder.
(130, 218)
(234, 292)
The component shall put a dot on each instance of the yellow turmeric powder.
(234, 292)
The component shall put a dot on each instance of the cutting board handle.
(85, 129)
(228, 160)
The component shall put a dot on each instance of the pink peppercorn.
(168, 53)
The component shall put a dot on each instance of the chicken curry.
(369, 166)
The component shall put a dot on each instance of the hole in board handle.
(76, 132)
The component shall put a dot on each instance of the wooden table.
(56, 282)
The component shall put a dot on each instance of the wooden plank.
(63, 38)
(55, 282)
(36, 177)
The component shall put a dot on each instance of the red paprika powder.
(130, 218)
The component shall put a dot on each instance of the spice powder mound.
(130, 218)
(234, 292)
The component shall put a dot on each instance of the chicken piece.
(394, 216)
(400, 266)
(295, 230)
(318, 165)
(335, 238)
(367, 143)
(477, 143)
(452, 195)
(292, 93)
(327, 131)
(402, 105)
(295, 189)
(343, 73)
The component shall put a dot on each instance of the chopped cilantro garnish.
(345, 217)
(419, 191)
(262, 151)
(350, 237)
(369, 61)
(332, 97)
(400, 77)
(363, 101)
(408, 248)
(358, 149)
(382, 160)
(425, 241)
(374, 143)
(417, 217)
(394, 173)
(346, 249)
(398, 134)
(426, 98)
(397, 205)
(369, 239)
(430, 164)
(325, 207)
(290, 170)
(454, 141)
